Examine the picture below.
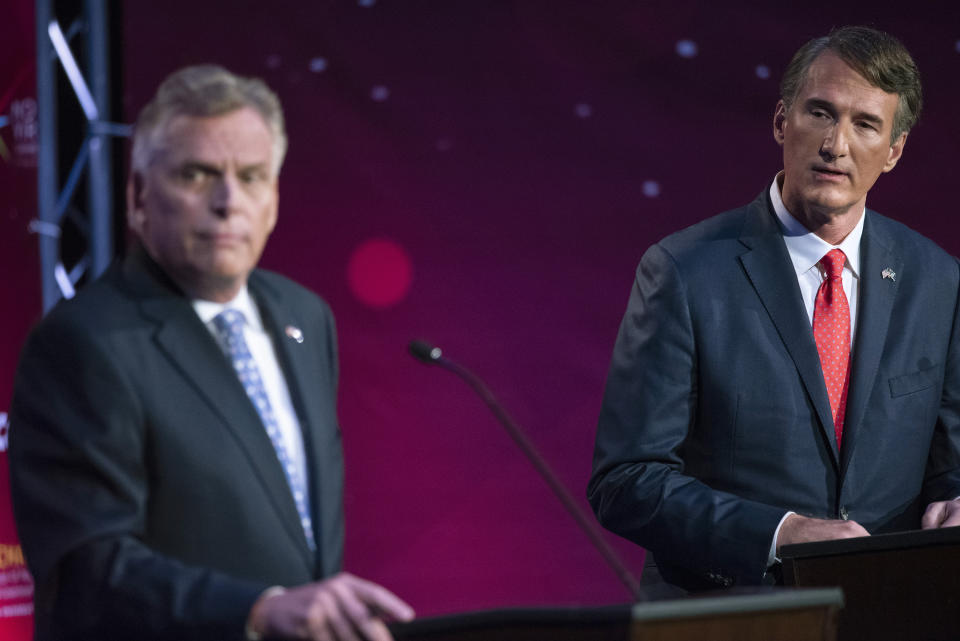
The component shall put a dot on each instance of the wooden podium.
(897, 586)
(760, 615)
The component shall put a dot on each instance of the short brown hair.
(206, 90)
(877, 56)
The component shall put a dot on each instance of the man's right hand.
(803, 529)
(341, 608)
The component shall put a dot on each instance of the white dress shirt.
(264, 354)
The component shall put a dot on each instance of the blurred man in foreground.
(175, 454)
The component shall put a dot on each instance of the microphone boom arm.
(432, 355)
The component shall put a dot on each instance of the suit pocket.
(915, 382)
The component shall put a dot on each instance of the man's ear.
(135, 213)
(779, 122)
(896, 150)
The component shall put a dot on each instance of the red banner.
(20, 283)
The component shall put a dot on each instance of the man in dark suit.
(175, 454)
(790, 371)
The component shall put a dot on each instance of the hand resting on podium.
(341, 608)
(941, 514)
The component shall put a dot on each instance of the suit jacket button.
(844, 514)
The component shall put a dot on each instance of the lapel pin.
(297, 335)
(889, 273)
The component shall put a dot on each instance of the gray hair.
(877, 56)
(205, 91)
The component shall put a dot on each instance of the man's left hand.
(941, 514)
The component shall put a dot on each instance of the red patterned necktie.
(831, 331)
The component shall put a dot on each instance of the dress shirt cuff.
(772, 557)
(253, 635)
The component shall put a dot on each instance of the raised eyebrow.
(869, 117)
(200, 166)
(818, 103)
(826, 105)
(257, 166)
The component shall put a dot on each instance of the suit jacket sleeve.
(942, 477)
(80, 481)
(638, 488)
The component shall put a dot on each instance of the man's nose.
(223, 195)
(835, 142)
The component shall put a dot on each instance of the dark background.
(486, 174)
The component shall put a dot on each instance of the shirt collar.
(243, 302)
(806, 248)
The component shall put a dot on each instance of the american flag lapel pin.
(294, 333)
(889, 273)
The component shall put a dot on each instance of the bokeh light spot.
(651, 188)
(762, 71)
(583, 110)
(318, 65)
(379, 273)
(686, 48)
(379, 93)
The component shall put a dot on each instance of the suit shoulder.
(95, 308)
(910, 242)
(719, 234)
(290, 291)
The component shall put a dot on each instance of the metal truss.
(56, 202)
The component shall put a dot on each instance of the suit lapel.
(771, 273)
(877, 295)
(193, 351)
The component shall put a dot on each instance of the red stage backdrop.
(486, 174)
(19, 278)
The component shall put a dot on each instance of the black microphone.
(432, 355)
(424, 351)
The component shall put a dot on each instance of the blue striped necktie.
(229, 324)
